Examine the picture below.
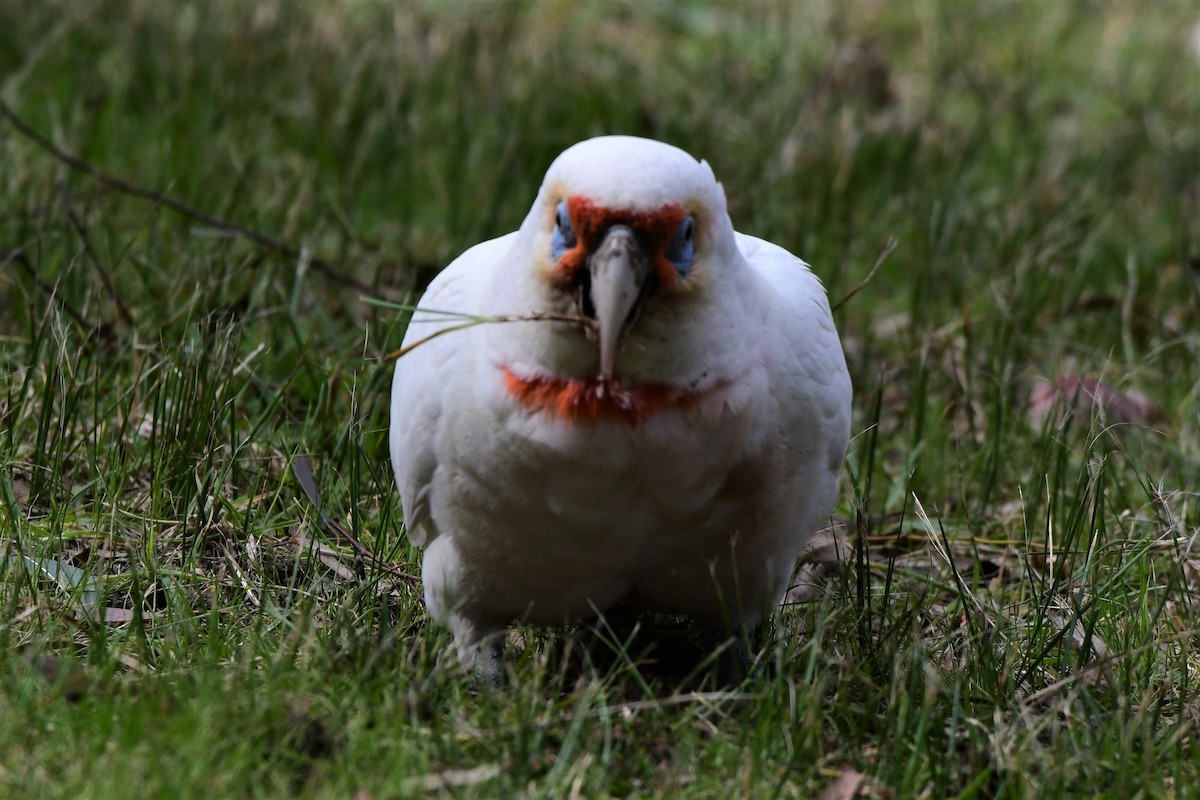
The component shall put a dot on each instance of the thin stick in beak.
(619, 270)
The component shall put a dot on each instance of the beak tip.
(606, 366)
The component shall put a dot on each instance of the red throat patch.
(591, 400)
(654, 228)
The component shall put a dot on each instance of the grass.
(1013, 615)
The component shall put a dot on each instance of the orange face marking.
(654, 229)
(590, 400)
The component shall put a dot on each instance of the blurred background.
(1002, 198)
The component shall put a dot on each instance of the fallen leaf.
(72, 580)
(1068, 394)
(1077, 636)
(116, 616)
(845, 786)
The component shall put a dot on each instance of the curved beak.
(619, 272)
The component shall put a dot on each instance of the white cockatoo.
(672, 450)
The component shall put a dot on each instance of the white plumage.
(676, 454)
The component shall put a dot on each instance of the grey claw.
(488, 665)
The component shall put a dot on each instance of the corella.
(663, 429)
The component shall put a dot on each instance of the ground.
(1001, 197)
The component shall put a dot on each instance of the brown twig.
(18, 257)
(546, 316)
(327, 268)
(302, 469)
(105, 278)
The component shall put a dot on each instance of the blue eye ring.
(681, 249)
(563, 237)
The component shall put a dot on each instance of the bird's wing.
(425, 377)
(809, 376)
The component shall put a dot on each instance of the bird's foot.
(733, 651)
(484, 660)
(487, 663)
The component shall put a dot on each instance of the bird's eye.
(563, 238)
(681, 250)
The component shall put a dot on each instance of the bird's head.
(627, 232)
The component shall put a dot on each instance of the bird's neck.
(591, 400)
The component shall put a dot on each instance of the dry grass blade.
(452, 778)
(1088, 673)
(888, 247)
(331, 558)
(572, 319)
